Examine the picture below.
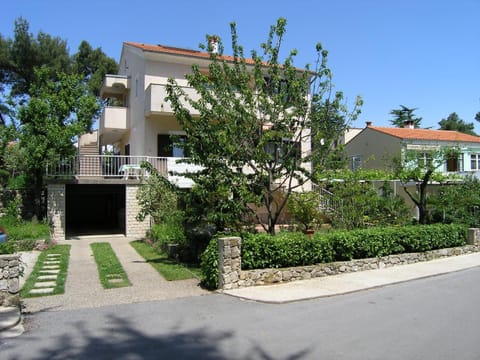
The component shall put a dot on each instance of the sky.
(422, 54)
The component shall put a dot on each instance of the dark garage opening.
(95, 209)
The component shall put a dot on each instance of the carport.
(94, 209)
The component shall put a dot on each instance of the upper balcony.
(114, 86)
(113, 124)
(155, 103)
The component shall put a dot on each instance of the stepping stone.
(53, 255)
(47, 277)
(45, 284)
(49, 267)
(51, 262)
(42, 291)
(115, 280)
(56, 271)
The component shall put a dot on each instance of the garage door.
(94, 209)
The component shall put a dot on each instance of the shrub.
(209, 265)
(167, 233)
(22, 235)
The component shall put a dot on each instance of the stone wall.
(135, 228)
(232, 276)
(9, 280)
(56, 210)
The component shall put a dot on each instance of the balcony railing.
(155, 102)
(113, 166)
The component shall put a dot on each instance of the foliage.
(403, 115)
(362, 205)
(209, 264)
(19, 230)
(453, 122)
(110, 271)
(457, 202)
(359, 174)
(253, 118)
(420, 168)
(157, 198)
(305, 209)
(167, 233)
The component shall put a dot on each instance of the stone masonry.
(135, 228)
(9, 280)
(232, 276)
(56, 210)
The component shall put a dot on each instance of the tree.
(453, 122)
(403, 115)
(420, 168)
(55, 114)
(253, 118)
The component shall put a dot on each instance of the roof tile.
(427, 134)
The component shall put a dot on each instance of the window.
(475, 162)
(356, 162)
(424, 159)
(166, 147)
(455, 163)
(284, 149)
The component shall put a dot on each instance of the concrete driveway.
(83, 288)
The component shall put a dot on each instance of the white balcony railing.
(120, 167)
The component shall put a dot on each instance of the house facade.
(97, 189)
(375, 148)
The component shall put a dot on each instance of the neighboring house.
(375, 148)
(97, 189)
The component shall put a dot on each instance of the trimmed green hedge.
(295, 249)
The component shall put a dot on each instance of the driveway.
(83, 288)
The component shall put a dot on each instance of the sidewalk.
(83, 288)
(351, 282)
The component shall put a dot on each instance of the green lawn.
(64, 252)
(168, 268)
(110, 271)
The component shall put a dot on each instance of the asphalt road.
(436, 318)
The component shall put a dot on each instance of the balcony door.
(167, 148)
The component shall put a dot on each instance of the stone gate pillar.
(229, 262)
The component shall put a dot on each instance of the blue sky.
(418, 53)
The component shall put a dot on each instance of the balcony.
(155, 103)
(119, 167)
(113, 123)
(114, 86)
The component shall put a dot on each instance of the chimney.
(409, 124)
(213, 44)
(369, 123)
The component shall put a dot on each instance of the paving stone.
(45, 284)
(49, 271)
(47, 277)
(53, 255)
(42, 291)
(51, 262)
(50, 267)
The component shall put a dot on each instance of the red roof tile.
(179, 51)
(427, 134)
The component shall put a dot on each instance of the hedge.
(290, 249)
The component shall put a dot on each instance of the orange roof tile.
(179, 51)
(427, 134)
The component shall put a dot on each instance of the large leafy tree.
(253, 116)
(57, 112)
(46, 96)
(453, 122)
(403, 115)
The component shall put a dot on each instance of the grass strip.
(168, 268)
(64, 254)
(110, 271)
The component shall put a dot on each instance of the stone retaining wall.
(9, 280)
(232, 276)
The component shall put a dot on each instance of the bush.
(167, 233)
(209, 265)
(22, 235)
(290, 249)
